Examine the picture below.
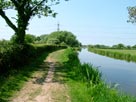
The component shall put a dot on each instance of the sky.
(92, 21)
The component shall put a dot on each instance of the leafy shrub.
(12, 57)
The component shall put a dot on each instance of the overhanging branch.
(2, 13)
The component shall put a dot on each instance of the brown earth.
(41, 88)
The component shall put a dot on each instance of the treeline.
(55, 38)
(119, 51)
(118, 46)
(60, 38)
(13, 55)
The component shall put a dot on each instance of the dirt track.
(41, 88)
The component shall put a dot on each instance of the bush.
(12, 57)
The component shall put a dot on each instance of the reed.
(128, 55)
(85, 84)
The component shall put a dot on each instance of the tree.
(41, 38)
(132, 14)
(26, 9)
(27, 39)
(62, 38)
(134, 47)
(30, 38)
(119, 46)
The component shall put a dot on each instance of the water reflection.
(113, 70)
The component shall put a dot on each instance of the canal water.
(113, 70)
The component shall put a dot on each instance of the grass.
(84, 81)
(60, 55)
(128, 55)
(36, 92)
(79, 92)
(16, 77)
(131, 52)
(9, 85)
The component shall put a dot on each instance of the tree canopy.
(41, 38)
(61, 38)
(132, 14)
(29, 38)
(26, 9)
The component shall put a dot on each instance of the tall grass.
(89, 73)
(128, 55)
(85, 72)
(85, 83)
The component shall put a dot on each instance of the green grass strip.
(9, 85)
(83, 81)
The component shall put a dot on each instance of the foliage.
(62, 38)
(83, 72)
(13, 83)
(41, 38)
(25, 9)
(132, 14)
(134, 47)
(4, 45)
(4, 42)
(14, 56)
(117, 46)
(29, 38)
(12, 61)
(98, 46)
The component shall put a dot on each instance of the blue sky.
(92, 21)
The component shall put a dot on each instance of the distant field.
(131, 52)
(129, 55)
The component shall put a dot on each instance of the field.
(123, 54)
(131, 52)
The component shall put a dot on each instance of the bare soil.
(41, 88)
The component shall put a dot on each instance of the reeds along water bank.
(85, 83)
(128, 55)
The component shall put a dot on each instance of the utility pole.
(58, 27)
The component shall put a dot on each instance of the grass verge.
(128, 55)
(14, 82)
(84, 81)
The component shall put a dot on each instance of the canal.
(113, 70)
